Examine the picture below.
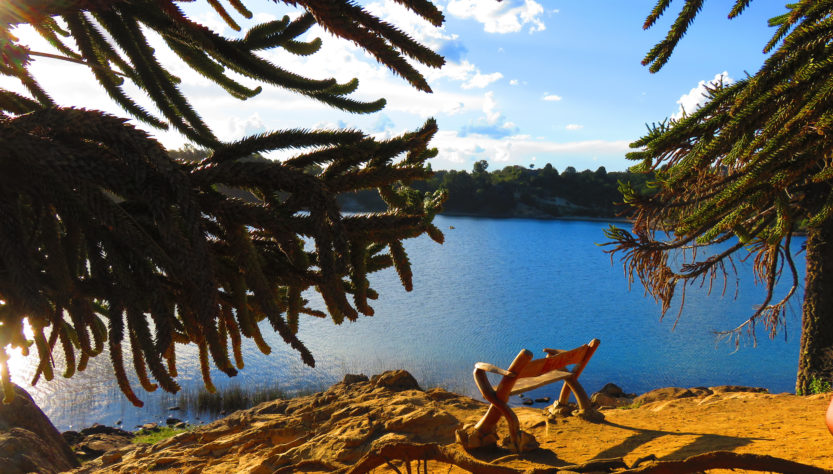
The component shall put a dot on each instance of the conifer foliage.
(745, 171)
(107, 241)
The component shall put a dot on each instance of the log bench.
(523, 375)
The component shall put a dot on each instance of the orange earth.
(786, 426)
(333, 429)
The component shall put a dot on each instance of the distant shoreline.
(542, 217)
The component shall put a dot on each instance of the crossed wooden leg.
(483, 433)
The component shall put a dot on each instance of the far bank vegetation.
(517, 191)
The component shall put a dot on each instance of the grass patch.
(632, 406)
(227, 399)
(157, 435)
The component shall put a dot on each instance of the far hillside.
(515, 191)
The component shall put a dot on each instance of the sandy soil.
(337, 427)
(785, 426)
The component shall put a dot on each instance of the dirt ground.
(785, 426)
(334, 429)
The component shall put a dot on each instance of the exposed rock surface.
(354, 378)
(395, 380)
(28, 440)
(96, 440)
(673, 393)
(611, 396)
(333, 429)
(336, 427)
(603, 400)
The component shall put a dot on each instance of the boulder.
(28, 440)
(612, 390)
(96, 440)
(102, 429)
(350, 379)
(396, 380)
(601, 399)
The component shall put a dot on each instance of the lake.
(494, 287)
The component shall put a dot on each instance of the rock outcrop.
(611, 396)
(28, 440)
(335, 428)
(96, 440)
(673, 393)
(364, 418)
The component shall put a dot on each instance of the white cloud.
(508, 16)
(479, 81)
(513, 82)
(461, 71)
(236, 127)
(465, 72)
(696, 97)
(455, 157)
(491, 124)
(574, 126)
(518, 149)
(552, 98)
(329, 125)
(490, 107)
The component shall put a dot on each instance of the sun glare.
(21, 367)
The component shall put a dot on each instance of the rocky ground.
(334, 429)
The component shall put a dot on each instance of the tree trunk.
(815, 360)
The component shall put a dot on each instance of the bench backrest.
(578, 356)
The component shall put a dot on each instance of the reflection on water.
(494, 287)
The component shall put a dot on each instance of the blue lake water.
(494, 287)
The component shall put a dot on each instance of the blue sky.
(553, 81)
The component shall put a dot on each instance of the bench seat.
(531, 383)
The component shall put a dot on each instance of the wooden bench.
(523, 375)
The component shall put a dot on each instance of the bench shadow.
(704, 442)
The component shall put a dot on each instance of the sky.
(525, 82)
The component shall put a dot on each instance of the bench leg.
(484, 431)
(497, 409)
(581, 396)
(564, 397)
(585, 408)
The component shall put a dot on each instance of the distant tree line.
(520, 191)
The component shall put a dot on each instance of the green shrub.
(819, 385)
(157, 435)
